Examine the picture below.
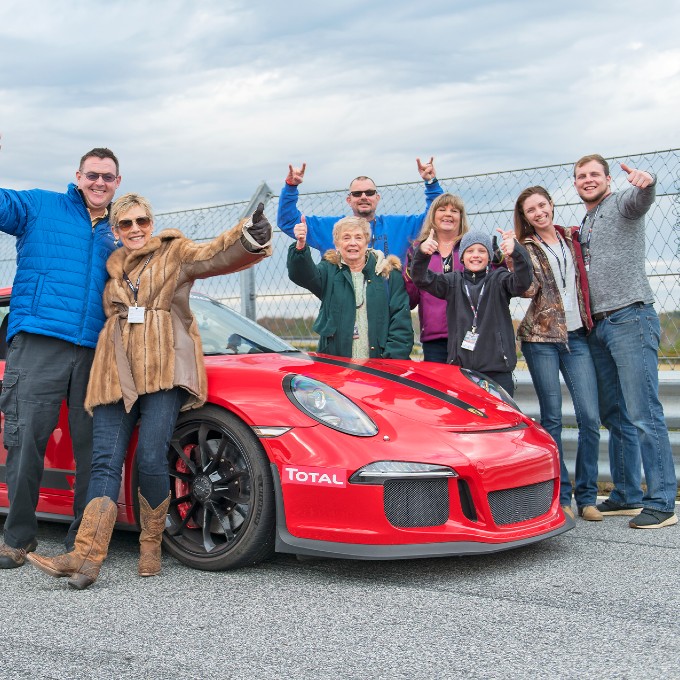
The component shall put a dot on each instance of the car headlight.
(383, 470)
(490, 386)
(328, 406)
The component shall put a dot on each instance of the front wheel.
(222, 512)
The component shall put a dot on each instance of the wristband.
(431, 181)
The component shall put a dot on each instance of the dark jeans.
(157, 414)
(435, 350)
(40, 373)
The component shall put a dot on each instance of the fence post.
(262, 194)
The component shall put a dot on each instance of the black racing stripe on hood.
(433, 392)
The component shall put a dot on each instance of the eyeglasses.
(142, 222)
(368, 192)
(108, 177)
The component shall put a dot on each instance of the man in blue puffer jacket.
(63, 242)
(392, 234)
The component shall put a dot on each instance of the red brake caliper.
(183, 488)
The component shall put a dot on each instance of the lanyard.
(590, 229)
(563, 274)
(382, 237)
(472, 306)
(135, 288)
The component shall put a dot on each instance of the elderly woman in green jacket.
(364, 305)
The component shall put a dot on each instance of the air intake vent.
(510, 506)
(417, 502)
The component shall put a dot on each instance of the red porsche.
(324, 456)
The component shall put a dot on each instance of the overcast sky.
(203, 99)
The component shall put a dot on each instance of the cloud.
(202, 101)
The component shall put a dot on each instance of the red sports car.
(325, 456)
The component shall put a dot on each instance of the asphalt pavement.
(601, 601)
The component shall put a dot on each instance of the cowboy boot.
(152, 522)
(68, 563)
(93, 545)
(65, 564)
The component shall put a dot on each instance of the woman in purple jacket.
(448, 219)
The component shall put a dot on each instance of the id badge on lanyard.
(471, 337)
(136, 314)
(470, 340)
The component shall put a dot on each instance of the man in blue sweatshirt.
(63, 241)
(392, 234)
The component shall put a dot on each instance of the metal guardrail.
(669, 393)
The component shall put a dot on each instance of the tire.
(222, 511)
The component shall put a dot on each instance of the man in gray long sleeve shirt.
(625, 343)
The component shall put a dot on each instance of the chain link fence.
(265, 292)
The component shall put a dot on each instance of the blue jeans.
(546, 360)
(113, 427)
(625, 349)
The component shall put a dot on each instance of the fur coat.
(165, 351)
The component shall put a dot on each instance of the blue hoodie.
(392, 234)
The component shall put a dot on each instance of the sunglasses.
(108, 177)
(368, 192)
(142, 222)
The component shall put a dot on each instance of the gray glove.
(260, 229)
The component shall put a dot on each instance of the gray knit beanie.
(472, 237)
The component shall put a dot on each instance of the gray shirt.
(616, 275)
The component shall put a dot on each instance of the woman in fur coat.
(364, 305)
(148, 366)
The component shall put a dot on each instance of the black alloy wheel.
(222, 512)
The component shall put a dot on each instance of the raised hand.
(260, 229)
(507, 245)
(638, 178)
(429, 245)
(426, 170)
(300, 233)
(296, 175)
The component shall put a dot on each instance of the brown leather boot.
(152, 522)
(92, 542)
(89, 551)
(61, 565)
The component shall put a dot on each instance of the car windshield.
(224, 331)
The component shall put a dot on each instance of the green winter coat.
(390, 331)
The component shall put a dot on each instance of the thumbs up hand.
(429, 245)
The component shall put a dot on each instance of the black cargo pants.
(41, 372)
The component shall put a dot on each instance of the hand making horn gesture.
(429, 245)
(426, 170)
(300, 233)
(296, 175)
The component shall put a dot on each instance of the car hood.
(437, 395)
(432, 394)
